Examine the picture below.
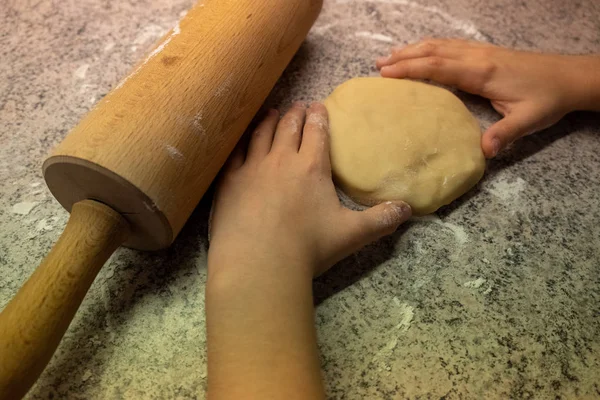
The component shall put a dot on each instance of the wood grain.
(35, 320)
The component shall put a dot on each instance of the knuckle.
(429, 48)
(485, 74)
(435, 62)
(487, 69)
(274, 160)
(258, 132)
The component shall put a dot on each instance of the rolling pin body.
(137, 165)
(151, 148)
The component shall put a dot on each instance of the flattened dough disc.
(397, 139)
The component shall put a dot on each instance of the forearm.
(586, 82)
(261, 335)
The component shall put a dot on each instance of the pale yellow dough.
(403, 140)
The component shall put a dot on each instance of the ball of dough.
(397, 139)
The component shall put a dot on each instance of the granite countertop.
(494, 296)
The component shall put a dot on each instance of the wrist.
(254, 270)
(584, 84)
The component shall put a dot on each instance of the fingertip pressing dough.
(397, 139)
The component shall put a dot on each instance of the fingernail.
(401, 208)
(385, 69)
(406, 209)
(272, 112)
(495, 146)
(300, 104)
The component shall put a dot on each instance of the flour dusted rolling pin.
(137, 165)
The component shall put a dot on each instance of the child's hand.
(532, 91)
(277, 203)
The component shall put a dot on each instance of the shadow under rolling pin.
(133, 170)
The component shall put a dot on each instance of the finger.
(315, 137)
(364, 227)
(504, 132)
(262, 137)
(466, 76)
(426, 48)
(289, 130)
(237, 157)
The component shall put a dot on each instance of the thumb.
(510, 128)
(367, 226)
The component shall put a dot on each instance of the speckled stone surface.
(495, 296)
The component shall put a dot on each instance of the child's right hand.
(531, 90)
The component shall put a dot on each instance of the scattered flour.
(174, 153)
(459, 232)
(319, 120)
(406, 313)
(224, 88)
(392, 344)
(149, 32)
(476, 284)
(385, 354)
(86, 375)
(44, 226)
(109, 46)
(507, 190)
(375, 36)
(197, 123)
(321, 29)
(24, 208)
(81, 72)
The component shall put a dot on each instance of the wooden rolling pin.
(137, 165)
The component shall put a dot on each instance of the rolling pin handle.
(34, 322)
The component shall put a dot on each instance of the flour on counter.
(459, 232)
(476, 284)
(81, 72)
(86, 375)
(149, 32)
(24, 208)
(506, 190)
(375, 36)
(406, 312)
(109, 46)
(321, 29)
(44, 226)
